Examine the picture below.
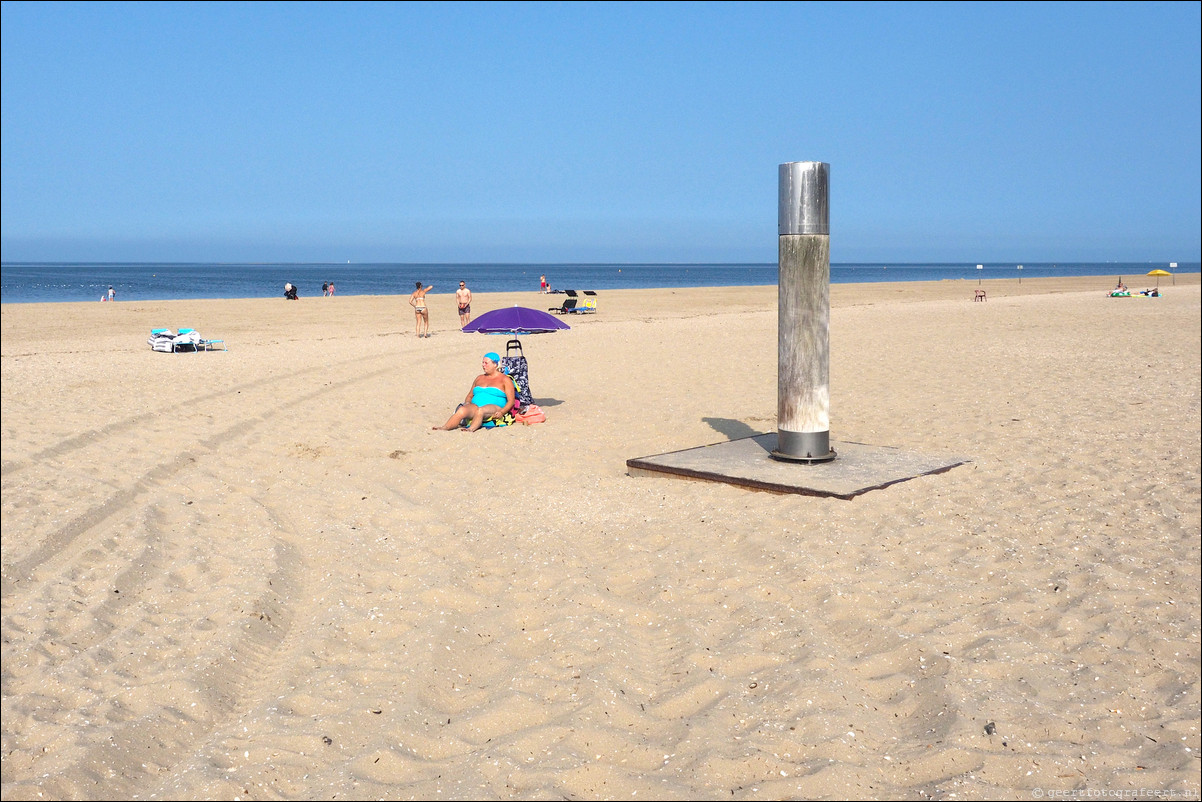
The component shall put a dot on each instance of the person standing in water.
(418, 301)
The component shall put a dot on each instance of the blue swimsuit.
(484, 396)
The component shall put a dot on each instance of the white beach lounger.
(169, 342)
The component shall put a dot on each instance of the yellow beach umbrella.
(1158, 273)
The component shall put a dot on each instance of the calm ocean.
(28, 282)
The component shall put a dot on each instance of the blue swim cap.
(493, 356)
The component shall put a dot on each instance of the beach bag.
(529, 414)
(516, 368)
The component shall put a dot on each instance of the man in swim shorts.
(418, 301)
(491, 396)
(463, 297)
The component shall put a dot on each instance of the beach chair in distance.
(590, 303)
(979, 296)
(568, 306)
(191, 340)
(186, 340)
(162, 340)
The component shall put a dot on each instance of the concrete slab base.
(856, 469)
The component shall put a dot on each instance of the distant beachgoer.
(325, 288)
(542, 284)
(463, 297)
(491, 395)
(112, 293)
(331, 289)
(418, 301)
(290, 292)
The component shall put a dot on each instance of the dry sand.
(258, 574)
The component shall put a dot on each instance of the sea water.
(38, 282)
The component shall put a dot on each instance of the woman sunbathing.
(491, 396)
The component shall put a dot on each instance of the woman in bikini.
(418, 301)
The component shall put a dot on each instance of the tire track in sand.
(180, 684)
(175, 683)
(58, 540)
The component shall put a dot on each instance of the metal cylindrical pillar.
(803, 322)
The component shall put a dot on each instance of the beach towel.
(493, 423)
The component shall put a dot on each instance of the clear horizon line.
(927, 263)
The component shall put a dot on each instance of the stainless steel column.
(803, 322)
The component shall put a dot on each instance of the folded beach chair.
(169, 342)
(514, 365)
(162, 340)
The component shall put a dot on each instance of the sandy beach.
(259, 574)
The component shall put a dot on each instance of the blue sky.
(597, 132)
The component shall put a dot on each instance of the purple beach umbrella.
(515, 321)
